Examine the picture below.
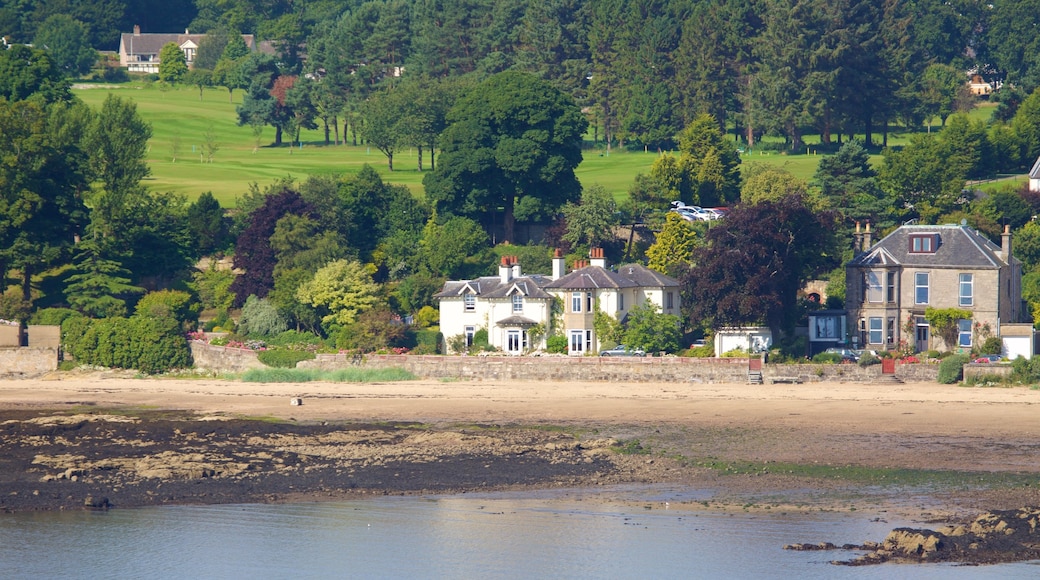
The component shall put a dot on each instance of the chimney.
(505, 270)
(516, 267)
(137, 30)
(597, 258)
(1005, 243)
(186, 31)
(857, 239)
(559, 264)
(867, 239)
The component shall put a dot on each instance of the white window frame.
(470, 331)
(965, 280)
(518, 303)
(964, 333)
(576, 298)
(890, 287)
(919, 287)
(576, 342)
(514, 340)
(469, 302)
(875, 330)
(875, 293)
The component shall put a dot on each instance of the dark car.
(622, 350)
(847, 354)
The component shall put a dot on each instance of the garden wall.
(620, 369)
(222, 359)
(27, 361)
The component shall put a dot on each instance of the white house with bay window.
(509, 306)
(891, 283)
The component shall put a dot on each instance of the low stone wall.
(978, 371)
(222, 359)
(27, 361)
(620, 369)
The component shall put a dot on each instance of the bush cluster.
(427, 342)
(827, 357)
(150, 345)
(281, 358)
(868, 359)
(951, 369)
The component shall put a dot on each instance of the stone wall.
(631, 369)
(978, 371)
(27, 361)
(222, 359)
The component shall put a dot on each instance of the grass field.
(179, 116)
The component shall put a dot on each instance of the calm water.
(470, 536)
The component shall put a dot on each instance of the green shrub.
(150, 345)
(52, 316)
(951, 369)
(867, 360)
(427, 342)
(170, 303)
(283, 358)
(992, 345)
(556, 344)
(295, 340)
(827, 357)
(706, 351)
(932, 354)
(735, 353)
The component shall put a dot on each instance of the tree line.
(642, 69)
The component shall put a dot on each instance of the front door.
(922, 334)
(514, 342)
(577, 342)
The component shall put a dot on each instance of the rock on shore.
(992, 537)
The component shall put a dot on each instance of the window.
(964, 334)
(890, 286)
(923, 243)
(576, 302)
(514, 342)
(577, 342)
(518, 303)
(669, 300)
(588, 302)
(876, 329)
(470, 331)
(921, 288)
(873, 287)
(891, 336)
(620, 301)
(470, 301)
(967, 289)
(827, 327)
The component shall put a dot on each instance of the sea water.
(505, 535)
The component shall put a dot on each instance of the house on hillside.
(511, 304)
(889, 284)
(139, 52)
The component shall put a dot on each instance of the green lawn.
(178, 115)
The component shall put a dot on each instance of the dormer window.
(924, 243)
(518, 303)
(470, 301)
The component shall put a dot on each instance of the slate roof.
(1034, 173)
(626, 276)
(152, 43)
(959, 247)
(492, 287)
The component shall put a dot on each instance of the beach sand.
(922, 426)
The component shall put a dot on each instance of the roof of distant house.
(958, 246)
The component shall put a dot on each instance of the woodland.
(501, 98)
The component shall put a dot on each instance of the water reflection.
(468, 536)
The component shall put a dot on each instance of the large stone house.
(511, 304)
(139, 52)
(891, 283)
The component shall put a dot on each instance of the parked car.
(693, 213)
(622, 350)
(847, 354)
(988, 358)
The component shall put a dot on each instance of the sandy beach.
(923, 426)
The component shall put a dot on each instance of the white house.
(511, 304)
(139, 52)
(507, 306)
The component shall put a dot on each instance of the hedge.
(150, 345)
(951, 369)
(282, 358)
